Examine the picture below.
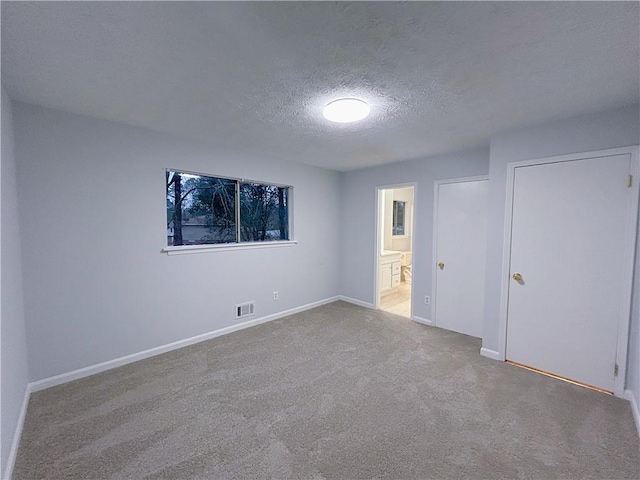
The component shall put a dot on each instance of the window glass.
(264, 212)
(203, 209)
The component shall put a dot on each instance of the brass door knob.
(517, 277)
(441, 265)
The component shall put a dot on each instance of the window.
(398, 217)
(203, 210)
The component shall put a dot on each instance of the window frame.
(237, 245)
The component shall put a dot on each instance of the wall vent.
(245, 309)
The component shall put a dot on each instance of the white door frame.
(434, 254)
(629, 252)
(378, 193)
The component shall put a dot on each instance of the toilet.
(405, 270)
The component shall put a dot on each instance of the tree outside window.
(203, 209)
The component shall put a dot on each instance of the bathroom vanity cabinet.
(389, 271)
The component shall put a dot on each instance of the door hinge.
(615, 370)
(630, 181)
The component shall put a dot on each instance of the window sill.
(190, 249)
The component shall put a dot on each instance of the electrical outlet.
(427, 300)
(275, 295)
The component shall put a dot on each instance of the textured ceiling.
(440, 76)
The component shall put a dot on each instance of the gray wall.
(616, 128)
(357, 224)
(97, 286)
(14, 375)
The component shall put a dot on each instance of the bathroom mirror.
(398, 217)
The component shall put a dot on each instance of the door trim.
(434, 248)
(629, 252)
(378, 192)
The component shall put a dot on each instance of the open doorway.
(394, 252)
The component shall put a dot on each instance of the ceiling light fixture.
(345, 110)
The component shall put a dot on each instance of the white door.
(567, 244)
(460, 255)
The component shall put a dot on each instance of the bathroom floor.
(398, 300)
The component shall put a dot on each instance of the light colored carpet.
(336, 392)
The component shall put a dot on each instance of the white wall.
(97, 286)
(358, 219)
(387, 196)
(14, 374)
(401, 243)
(616, 128)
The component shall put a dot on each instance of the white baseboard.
(628, 394)
(356, 302)
(424, 321)
(17, 434)
(118, 362)
(492, 354)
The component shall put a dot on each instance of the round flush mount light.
(346, 110)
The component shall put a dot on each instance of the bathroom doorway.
(395, 213)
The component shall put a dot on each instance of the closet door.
(567, 265)
(460, 245)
